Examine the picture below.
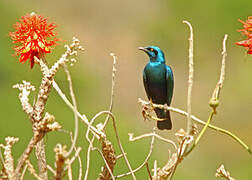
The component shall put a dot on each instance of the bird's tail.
(166, 123)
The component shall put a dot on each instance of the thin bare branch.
(32, 170)
(51, 169)
(23, 173)
(76, 126)
(148, 170)
(111, 174)
(78, 156)
(215, 97)
(214, 101)
(88, 160)
(131, 138)
(190, 80)
(69, 172)
(178, 159)
(112, 87)
(179, 111)
(145, 161)
(82, 117)
(119, 143)
(77, 152)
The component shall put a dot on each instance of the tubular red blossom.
(34, 36)
(247, 31)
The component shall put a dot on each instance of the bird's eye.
(152, 49)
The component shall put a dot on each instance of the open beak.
(143, 49)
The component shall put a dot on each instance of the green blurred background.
(120, 27)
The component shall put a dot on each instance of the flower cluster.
(34, 36)
(247, 31)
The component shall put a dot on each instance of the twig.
(179, 111)
(23, 173)
(145, 161)
(77, 152)
(32, 170)
(83, 118)
(80, 169)
(179, 155)
(120, 145)
(201, 133)
(214, 101)
(112, 87)
(190, 80)
(215, 96)
(155, 170)
(76, 126)
(88, 161)
(69, 170)
(111, 174)
(79, 159)
(131, 138)
(107, 118)
(51, 169)
(148, 170)
(90, 147)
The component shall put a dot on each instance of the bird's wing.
(145, 81)
(169, 84)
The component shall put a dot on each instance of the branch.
(190, 80)
(112, 87)
(76, 126)
(215, 97)
(181, 112)
(32, 170)
(82, 117)
(8, 158)
(146, 159)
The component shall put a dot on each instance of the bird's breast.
(156, 75)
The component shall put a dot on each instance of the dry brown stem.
(60, 154)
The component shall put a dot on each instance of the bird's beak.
(143, 49)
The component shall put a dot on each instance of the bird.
(158, 83)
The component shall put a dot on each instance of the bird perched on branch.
(158, 83)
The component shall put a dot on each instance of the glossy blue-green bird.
(158, 83)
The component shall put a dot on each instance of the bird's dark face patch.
(155, 53)
(152, 52)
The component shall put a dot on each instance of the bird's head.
(155, 53)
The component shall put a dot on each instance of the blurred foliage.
(122, 26)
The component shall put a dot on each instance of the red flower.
(34, 37)
(247, 31)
